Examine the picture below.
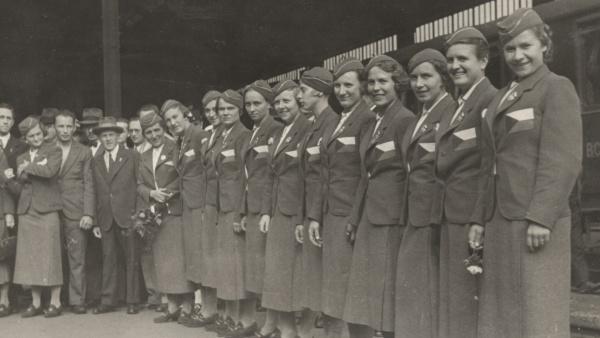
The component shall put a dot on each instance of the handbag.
(8, 248)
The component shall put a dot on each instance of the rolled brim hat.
(27, 124)
(426, 55)
(91, 116)
(462, 35)
(376, 60)
(283, 86)
(233, 97)
(108, 123)
(519, 21)
(149, 120)
(48, 115)
(210, 96)
(319, 79)
(263, 88)
(347, 65)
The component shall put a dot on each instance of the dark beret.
(347, 65)
(377, 59)
(210, 96)
(27, 124)
(319, 79)
(149, 120)
(284, 85)
(516, 23)
(233, 97)
(463, 34)
(428, 54)
(263, 88)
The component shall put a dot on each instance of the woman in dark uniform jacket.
(532, 145)
(38, 259)
(159, 181)
(376, 219)
(417, 284)
(209, 263)
(240, 306)
(282, 290)
(316, 85)
(457, 167)
(7, 221)
(258, 97)
(339, 178)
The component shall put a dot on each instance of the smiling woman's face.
(381, 87)
(524, 54)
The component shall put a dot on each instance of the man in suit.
(12, 146)
(77, 194)
(90, 119)
(115, 176)
(122, 138)
(47, 120)
(135, 133)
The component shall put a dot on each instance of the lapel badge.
(424, 128)
(512, 96)
(377, 136)
(460, 117)
(288, 139)
(341, 130)
(270, 141)
(120, 159)
(163, 157)
(436, 126)
(203, 140)
(256, 140)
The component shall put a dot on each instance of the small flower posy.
(146, 222)
(475, 262)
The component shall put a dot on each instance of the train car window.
(589, 63)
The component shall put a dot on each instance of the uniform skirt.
(337, 257)
(210, 266)
(312, 267)
(192, 243)
(256, 243)
(524, 294)
(283, 266)
(4, 265)
(38, 259)
(417, 283)
(458, 287)
(169, 257)
(372, 280)
(231, 259)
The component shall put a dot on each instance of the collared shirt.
(65, 152)
(212, 137)
(140, 149)
(343, 119)
(378, 117)
(463, 98)
(425, 113)
(256, 128)
(155, 157)
(226, 133)
(513, 85)
(286, 129)
(4, 139)
(108, 154)
(95, 148)
(32, 153)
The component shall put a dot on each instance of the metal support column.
(112, 61)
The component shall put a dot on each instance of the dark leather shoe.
(161, 308)
(242, 332)
(319, 322)
(102, 308)
(132, 309)
(198, 320)
(150, 306)
(32, 311)
(166, 317)
(588, 287)
(231, 326)
(196, 309)
(4, 310)
(218, 324)
(273, 334)
(79, 309)
(53, 311)
(184, 317)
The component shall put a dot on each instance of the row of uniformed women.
(368, 217)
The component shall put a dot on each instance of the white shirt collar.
(427, 111)
(113, 152)
(5, 139)
(466, 96)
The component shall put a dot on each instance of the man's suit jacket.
(76, 183)
(227, 160)
(38, 182)
(340, 164)
(116, 197)
(423, 204)
(309, 154)
(284, 187)
(7, 205)
(190, 167)
(535, 140)
(380, 192)
(254, 154)
(12, 150)
(458, 161)
(164, 176)
(208, 150)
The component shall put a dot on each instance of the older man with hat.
(115, 172)
(47, 121)
(90, 119)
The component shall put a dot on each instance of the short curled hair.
(399, 75)
(482, 48)
(442, 69)
(544, 34)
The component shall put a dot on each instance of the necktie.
(342, 120)
(111, 162)
(378, 118)
(461, 103)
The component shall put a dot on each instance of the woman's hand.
(263, 224)
(243, 223)
(10, 220)
(96, 232)
(8, 173)
(160, 195)
(537, 236)
(350, 233)
(314, 232)
(476, 236)
(22, 167)
(298, 233)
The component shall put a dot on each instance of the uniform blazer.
(340, 164)
(38, 182)
(284, 188)
(13, 148)
(208, 149)
(227, 160)
(309, 151)
(256, 165)
(380, 192)
(423, 203)
(7, 205)
(458, 161)
(190, 167)
(116, 197)
(164, 176)
(535, 140)
(76, 183)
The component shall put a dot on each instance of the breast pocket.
(520, 120)
(465, 139)
(426, 151)
(345, 144)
